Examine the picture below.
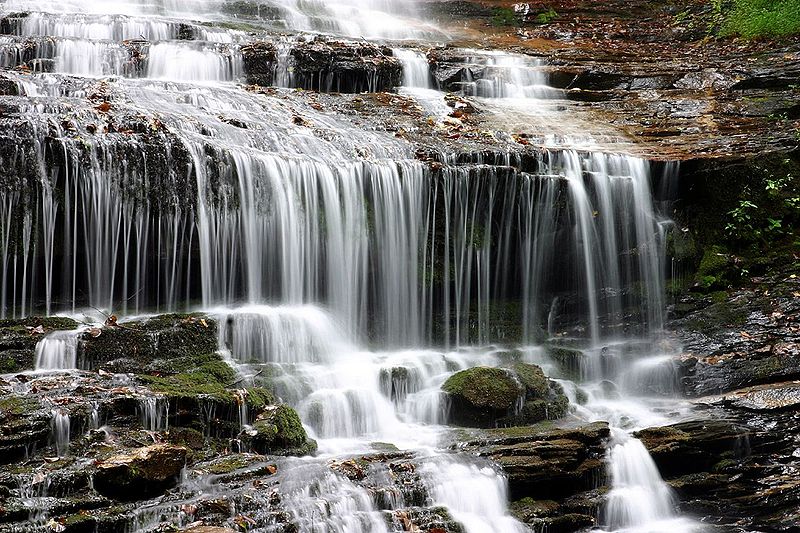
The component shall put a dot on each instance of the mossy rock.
(24, 424)
(279, 431)
(714, 272)
(18, 339)
(552, 405)
(479, 396)
(527, 509)
(487, 396)
(431, 519)
(161, 337)
(532, 378)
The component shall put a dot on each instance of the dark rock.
(546, 463)
(162, 337)
(692, 446)
(327, 66)
(140, 473)
(259, 60)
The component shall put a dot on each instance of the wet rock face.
(693, 446)
(552, 473)
(325, 66)
(520, 394)
(743, 337)
(24, 426)
(141, 473)
(160, 338)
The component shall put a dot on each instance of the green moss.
(724, 465)
(570, 361)
(259, 398)
(8, 365)
(495, 388)
(532, 378)
(716, 260)
(48, 323)
(81, 522)
(18, 405)
(762, 18)
(203, 375)
(228, 465)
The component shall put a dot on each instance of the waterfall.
(59, 430)
(350, 270)
(57, 351)
(416, 71)
(639, 499)
(154, 413)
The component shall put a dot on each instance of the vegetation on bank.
(758, 18)
(747, 221)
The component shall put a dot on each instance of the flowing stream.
(359, 277)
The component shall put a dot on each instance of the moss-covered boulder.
(279, 431)
(141, 473)
(517, 395)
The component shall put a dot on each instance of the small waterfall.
(154, 413)
(476, 495)
(506, 76)
(639, 499)
(57, 351)
(416, 71)
(94, 415)
(59, 431)
(182, 62)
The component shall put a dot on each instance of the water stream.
(355, 274)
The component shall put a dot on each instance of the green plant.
(743, 223)
(504, 16)
(546, 17)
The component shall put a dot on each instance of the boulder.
(517, 395)
(140, 473)
(279, 431)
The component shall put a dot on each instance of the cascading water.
(358, 275)
(60, 428)
(154, 413)
(57, 351)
